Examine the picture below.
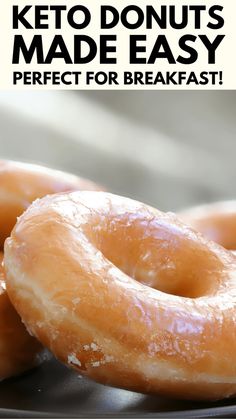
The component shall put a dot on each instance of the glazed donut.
(20, 184)
(216, 221)
(126, 294)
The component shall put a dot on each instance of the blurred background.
(168, 149)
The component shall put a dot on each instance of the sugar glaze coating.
(126, 294)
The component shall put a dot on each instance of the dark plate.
(52, 390)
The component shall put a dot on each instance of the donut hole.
(161, 254)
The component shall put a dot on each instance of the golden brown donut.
(216, 221)
(126, 294)
(20, 184)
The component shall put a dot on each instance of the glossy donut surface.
(126, 294)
